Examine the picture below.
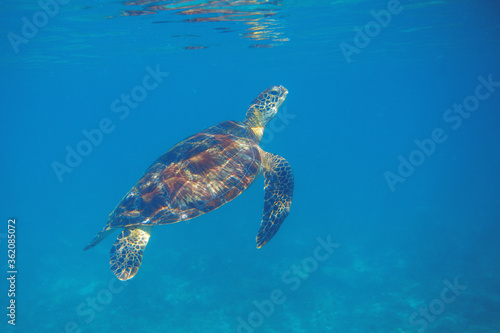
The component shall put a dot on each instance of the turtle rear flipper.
(278, 196)
(127, 251)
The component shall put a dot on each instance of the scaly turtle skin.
(198, 175)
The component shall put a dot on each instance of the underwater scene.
(291, 166)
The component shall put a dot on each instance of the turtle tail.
(99, 237)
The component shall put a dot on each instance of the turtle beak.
(284, 91)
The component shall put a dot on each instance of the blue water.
(391, 127)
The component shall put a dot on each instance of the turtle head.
(264, 107)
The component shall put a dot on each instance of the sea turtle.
(198, 175)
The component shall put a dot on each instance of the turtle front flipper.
(278, 196)
(127, 251)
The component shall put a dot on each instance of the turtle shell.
(194, 177)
